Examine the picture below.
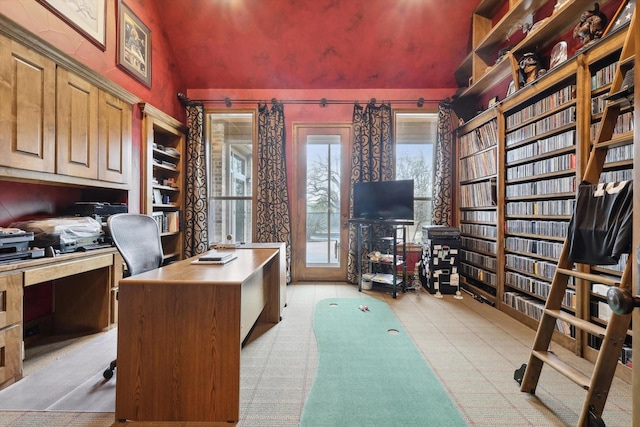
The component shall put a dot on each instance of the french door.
(321, 194)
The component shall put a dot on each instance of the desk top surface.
(235, 272)
(38, 262)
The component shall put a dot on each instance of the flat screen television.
(385, 200)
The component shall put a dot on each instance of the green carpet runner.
(370, 373)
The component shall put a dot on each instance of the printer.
(14, 245)
(99, 211)
(65, 234)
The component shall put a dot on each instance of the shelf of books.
(540, 186)
(164, 172)
(477, 166)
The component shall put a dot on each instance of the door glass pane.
(323, 201)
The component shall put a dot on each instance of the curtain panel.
(196, 203)
(443, 182)
(373, 159)
(273, 222)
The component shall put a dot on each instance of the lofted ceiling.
(317, 44)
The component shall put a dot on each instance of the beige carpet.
(472, 347)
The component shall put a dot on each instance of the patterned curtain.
(442, 194)
(273, 222)
(195, 215)
(372, 160)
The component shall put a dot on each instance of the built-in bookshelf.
(163, 186)
(545, 134)
(478, 165)
(539, 187)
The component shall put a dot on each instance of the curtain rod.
(322, 102)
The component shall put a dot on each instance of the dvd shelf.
(478, 166)
(540, 163)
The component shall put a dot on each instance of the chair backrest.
(138, 240)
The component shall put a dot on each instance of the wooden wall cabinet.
(164, 144)
(77, 125)
(60, 124)
(27, 110)
(544, 135)
(93, 132)
(114, 139)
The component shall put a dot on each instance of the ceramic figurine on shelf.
(530, 68)
(591, 26)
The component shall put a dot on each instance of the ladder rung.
(616, 140)
(583, 325)
(591, 277)
(564, 368)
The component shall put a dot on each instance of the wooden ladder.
(613, 336)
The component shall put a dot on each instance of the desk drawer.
(10, 299)
(65, 269)
(11, 348)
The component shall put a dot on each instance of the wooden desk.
(83, 290)
(180, 333)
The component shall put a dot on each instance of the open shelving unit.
(478, 165)
(381, 250)
(164, 178)
(496, 25)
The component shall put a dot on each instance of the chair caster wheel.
(107, 374)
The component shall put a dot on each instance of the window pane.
(323, 200)
(230, 138)
(415, 135)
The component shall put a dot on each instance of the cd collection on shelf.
(561, 97)
(480, 194)
(478, 165)
(489, 262)
(543, 187)
(480, 216)
(542, 146)
(533, 308)
(562, 163)
(560, 207)
(488, 231)
(541, 248)
(479, 139)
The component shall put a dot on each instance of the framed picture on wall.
(88, 17)
(134, 45)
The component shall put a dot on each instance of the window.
(415, 137)
(230, 145)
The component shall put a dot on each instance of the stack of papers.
(215, 257)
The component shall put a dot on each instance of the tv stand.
(384, 236)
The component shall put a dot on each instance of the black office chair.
(138, 240)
